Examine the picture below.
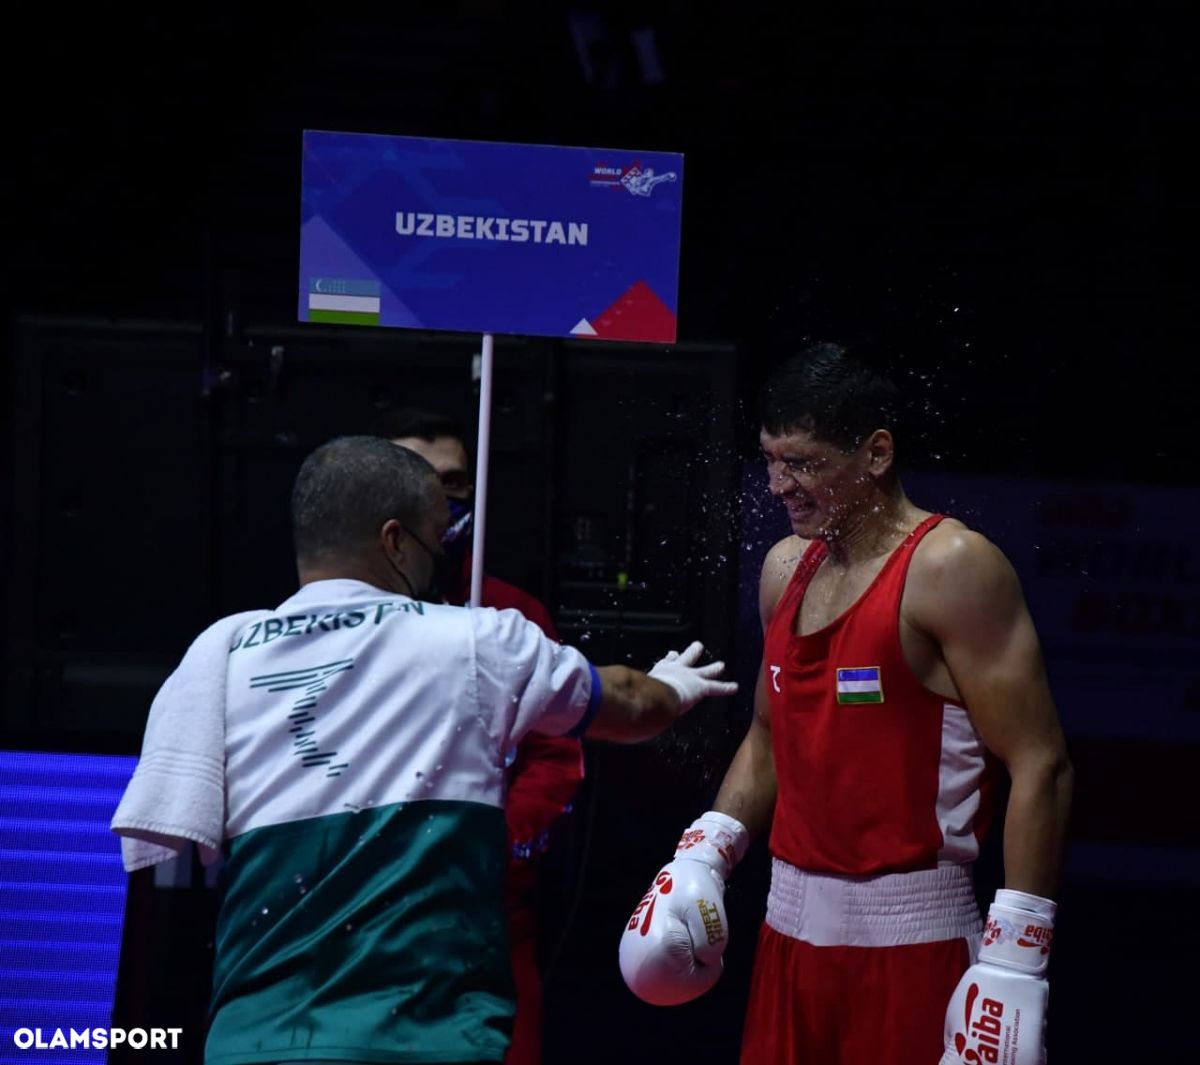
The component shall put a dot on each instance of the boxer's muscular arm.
(672, 945)
(748, 790)
(963, 593)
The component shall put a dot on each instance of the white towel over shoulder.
(177, 793)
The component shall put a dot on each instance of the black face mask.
(430, 592)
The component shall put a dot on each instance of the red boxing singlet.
(876, 773)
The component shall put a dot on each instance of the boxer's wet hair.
(825, 391)
(349, 487)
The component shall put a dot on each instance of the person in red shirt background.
(545, 771)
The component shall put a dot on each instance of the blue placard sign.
(476, 236)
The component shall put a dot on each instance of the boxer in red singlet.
(900, 670)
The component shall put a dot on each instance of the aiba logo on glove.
(999, 930)
(662, 884)
(1036, 935)
(981, 1041)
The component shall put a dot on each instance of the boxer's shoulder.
(778, 566)
(781, 561)
(950, 547)
(954, 563)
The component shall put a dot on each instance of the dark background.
(991, 203)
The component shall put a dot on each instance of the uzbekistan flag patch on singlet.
(861, 684)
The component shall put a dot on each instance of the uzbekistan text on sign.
(487, 237)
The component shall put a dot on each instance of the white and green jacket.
(366, 736)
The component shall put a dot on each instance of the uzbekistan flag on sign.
(343, 301)
(859, 685)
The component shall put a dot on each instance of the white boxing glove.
(690, 681)
(672, 944)
(998, 1011)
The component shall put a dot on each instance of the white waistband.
(873, 911)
